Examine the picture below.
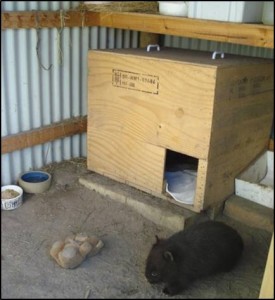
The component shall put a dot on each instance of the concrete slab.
(250, 213)
(157, 210)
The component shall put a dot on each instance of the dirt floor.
(28, 232)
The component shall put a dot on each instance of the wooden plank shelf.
(257, 35)
(246, 34)
(43, 134)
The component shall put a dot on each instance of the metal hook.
(150, 46)
(217, 52)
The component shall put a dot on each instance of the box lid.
(189, 56)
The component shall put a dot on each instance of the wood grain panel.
(175, 114)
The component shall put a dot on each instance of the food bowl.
(11, 197)
(35, 182)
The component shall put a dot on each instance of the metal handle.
(217, 52)
(150, 46)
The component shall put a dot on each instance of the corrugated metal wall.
(48, 85)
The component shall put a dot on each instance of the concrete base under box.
(160, 212)
(256, 183)
(250, 213)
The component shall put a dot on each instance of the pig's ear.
(168, 256)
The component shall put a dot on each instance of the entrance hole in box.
(180, 176)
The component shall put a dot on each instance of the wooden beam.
(257, 35)
(245, 34)
(48, 19)
(43, 135)
(52, 132)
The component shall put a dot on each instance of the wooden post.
(267, 288)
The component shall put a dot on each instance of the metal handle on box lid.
(217, 52)
(150, 46)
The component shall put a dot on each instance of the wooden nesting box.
(141, 103)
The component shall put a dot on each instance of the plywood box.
(141, 103)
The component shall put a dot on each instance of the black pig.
(200, 250)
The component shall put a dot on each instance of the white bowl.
(35, 182)
(173, 8)
(12, 203)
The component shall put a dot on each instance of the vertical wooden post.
(267, 288)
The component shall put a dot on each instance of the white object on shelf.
(268, 13)
(230, 11)
(173, 8)
(256, 183)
